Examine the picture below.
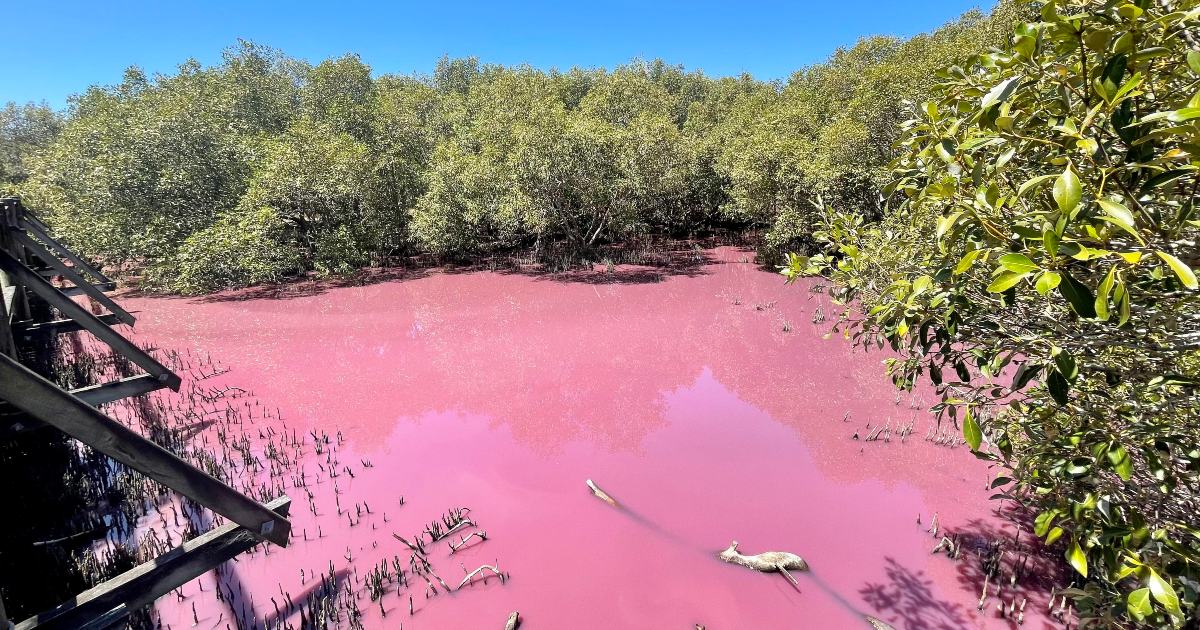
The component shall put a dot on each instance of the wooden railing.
(29, 255)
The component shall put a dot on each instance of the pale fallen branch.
(514, 620)
(460, 525)
(481, 534)
(600, 494)
(466, 580)
(766, 562)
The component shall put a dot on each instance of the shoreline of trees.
(264, 167)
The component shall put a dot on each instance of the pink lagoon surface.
(706, 402)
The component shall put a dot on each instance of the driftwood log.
(600, 494)
(766, 562)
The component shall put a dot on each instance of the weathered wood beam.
(97, 395)
(93, 325)
(77, 291)
(70, 274)
(45, 401)
(8, 344)
(109, 603)
(57, 327)
(35, 226)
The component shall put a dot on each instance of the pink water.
(687, 399)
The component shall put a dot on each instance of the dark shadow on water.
(314, 287)
(651, 269)
(906, 599)
(618, 264)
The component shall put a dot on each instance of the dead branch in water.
(455, 546)
(766, 562)
(481, 569)
(514, 620)
(411, 546)
(600, 494)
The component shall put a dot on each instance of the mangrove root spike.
(514, 620)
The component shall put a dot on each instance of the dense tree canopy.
(335, 167)
(1037, 265)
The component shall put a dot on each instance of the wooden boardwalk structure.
(29, 258)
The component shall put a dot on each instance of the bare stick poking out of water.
(600, 494)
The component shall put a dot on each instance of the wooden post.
(44, 401)
(109, 603)
(11, 296)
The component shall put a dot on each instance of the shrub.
(1038, 269)
(240, 249)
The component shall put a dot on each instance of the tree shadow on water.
(309, 287)
(907, 599)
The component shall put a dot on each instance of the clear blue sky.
(54, 49)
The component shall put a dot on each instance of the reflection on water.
(708, 403)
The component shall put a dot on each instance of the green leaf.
(1164, 178)
(1102, 293)
(946, 149)
(1120, 216)
(1175, 115)
(1058, 387)
(1162, 592)
(1076, 558)
(1122, 463)
(1033, 182)
(1017, 263)
(1005, 281)
(1067, 191)
(1193, 61)
(1138, 604)
(967, 260)
(1025, 373)
(1078, 296)
(1047, 281)
(945, 223)
(1185, 274)
(1043, 521)
(971, 432)
(1000, 93)
(1066, 365)
(1050, 239)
